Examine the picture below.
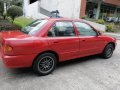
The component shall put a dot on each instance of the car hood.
(13, 34)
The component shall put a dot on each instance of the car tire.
(108, 51)
(44, 64)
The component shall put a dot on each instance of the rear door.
(62, 39)
(90, 42)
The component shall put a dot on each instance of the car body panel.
(67, 47)
(26, 48)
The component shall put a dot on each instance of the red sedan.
(45, 42)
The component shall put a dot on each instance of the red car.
(45, 42)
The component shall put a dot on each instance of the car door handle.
(83, 40)
(55, 42)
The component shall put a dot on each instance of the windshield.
(34, 27)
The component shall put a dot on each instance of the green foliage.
(22, 21)
(14, 11)
(4, 15)
(84, 17)
(5, 25)
(1, 8)
(17, 2)
(109, 28)
(100, 21)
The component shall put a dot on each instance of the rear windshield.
(34, 27)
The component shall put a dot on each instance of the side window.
(60, 29)
(84, 29)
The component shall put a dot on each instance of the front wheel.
(45, 64)
(108, 51)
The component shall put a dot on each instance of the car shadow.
(78, 60)
(28, 72)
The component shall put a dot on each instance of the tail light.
(7, 48)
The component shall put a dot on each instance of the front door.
(90, 42)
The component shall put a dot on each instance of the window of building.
(84, 29)
(32, 1)
(60, 29)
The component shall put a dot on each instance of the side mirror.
(50, 34)
(99, 33)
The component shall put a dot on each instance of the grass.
(22, 21)
(116, 27)
(116, 31)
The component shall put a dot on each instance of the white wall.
(67, 8)
(31, 10)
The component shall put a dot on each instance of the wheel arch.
(48, 51)
(112, 44)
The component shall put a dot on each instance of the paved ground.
(91, 73)
(97, 25)
(116, 35)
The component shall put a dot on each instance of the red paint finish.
(26, 48)
(67, 47)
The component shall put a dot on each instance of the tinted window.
(34, 27)
(84, 29)
(60, 29)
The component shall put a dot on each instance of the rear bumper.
(20, 61)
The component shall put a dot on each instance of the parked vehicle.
(112, 19)
(46, 42)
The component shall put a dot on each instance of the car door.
(90, 42)
(63, 40)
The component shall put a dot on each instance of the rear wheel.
(45, 64)
(108, 51)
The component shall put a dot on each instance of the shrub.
(5, 25)
(14, 11)
(22, 21)
(109, 28)
(100, 21)
(83, 17)
(1, 7)
(4, 15)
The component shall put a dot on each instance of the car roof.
(54, 19)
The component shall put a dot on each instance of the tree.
(17, 2)
(1, 8)
(14, 11)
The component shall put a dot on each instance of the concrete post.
(82, 7)
(5, 8)
(98, 9)
(115, 13)
(25, 5)
(39, 5)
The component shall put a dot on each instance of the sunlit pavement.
(91, 73)
(116, 35)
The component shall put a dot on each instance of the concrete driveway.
(91, 73)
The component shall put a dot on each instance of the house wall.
(31, 10)
(67, 8)
(114, 2)
(83, 8)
